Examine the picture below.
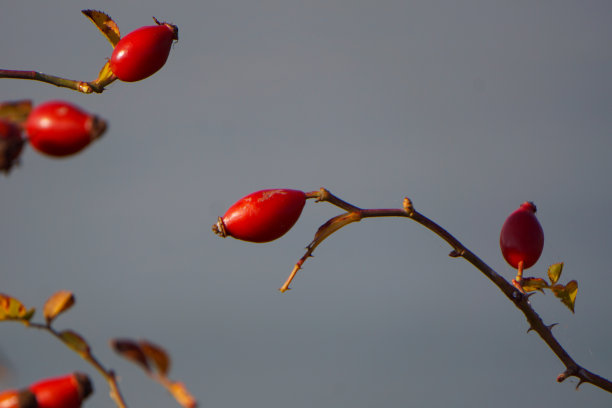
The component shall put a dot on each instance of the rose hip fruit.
(11, 145)
(62, 392)
(143, 52)
(17, 399)
(60, 129)
(262, 216)
(522, 237)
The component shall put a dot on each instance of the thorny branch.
(520, 300)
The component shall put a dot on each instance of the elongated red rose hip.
(60, 129)
(262, 216)
(68, 391)
(143, 52)
(522, 237)
(17, 399)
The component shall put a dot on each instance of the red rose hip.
(522, 237)
(62, 392)
(11, 144)
(262, 216)
(17, 399)
(60, 129)
(143, 52)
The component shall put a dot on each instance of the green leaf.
(105, 24)
(533, 284)
(74, 341)
(567, 293)
(13, 309)
(554, 272)
(58, 303)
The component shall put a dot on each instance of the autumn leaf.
(532, 284)
(15, 111)
(74, 341)
(131, 350)
(554, 272)
(182, 395)
(105, 24)
(58, 303)
(567, 293)
(157, 355)
(13, 309)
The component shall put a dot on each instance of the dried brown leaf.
(58, 303)
(131, 350)
(157, 355)
(105, 24)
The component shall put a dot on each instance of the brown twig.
(109, 375)
(80, 86)
(520, 300)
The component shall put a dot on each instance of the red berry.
(11, 144)
(17, 399)
(62, 392)
(143, 52)
(262, 216)
(522, 237)
(60, 129)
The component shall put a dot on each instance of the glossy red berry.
(522, 237)
(17, 399)
(262, 216)
(68, 391)
(11, 145)
(143, 52)
(60, 129)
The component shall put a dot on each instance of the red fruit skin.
(143, 52)
(62, 392)
(59, 129)
(11, 145)
(264, 215)
(522, 237)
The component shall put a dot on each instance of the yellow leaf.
(182, 395)
(106, 24)
(157, 355)
(58, 303)
(15, 111)
(74, 341)
(532, 284)
(130, 350)
(13, 309)
(567, 293)
(554, 272)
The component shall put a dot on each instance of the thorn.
(532, 329)
(550, 326)
(580, 382)
(528, 295)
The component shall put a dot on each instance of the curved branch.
(80, 86)
(520, 300)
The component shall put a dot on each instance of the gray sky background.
(469, 108)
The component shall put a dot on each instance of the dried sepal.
(567, 293)
(554, 272)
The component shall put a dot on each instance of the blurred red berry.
(143, 52)
(11, 145)
(262, 216)
(68, 391)
(60, 129)
(17, 399)
(522, 237)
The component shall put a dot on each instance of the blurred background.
(467, 108)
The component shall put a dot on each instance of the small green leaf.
(533, 284)
(567, 293)
(13, 309)
(105, 24)
(58, 303)
(554, 272)
(74, 341)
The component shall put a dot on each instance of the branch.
(96, 86)
(520, 300)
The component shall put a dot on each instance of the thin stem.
(108, 375)
(517, 296)
(80, 86)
